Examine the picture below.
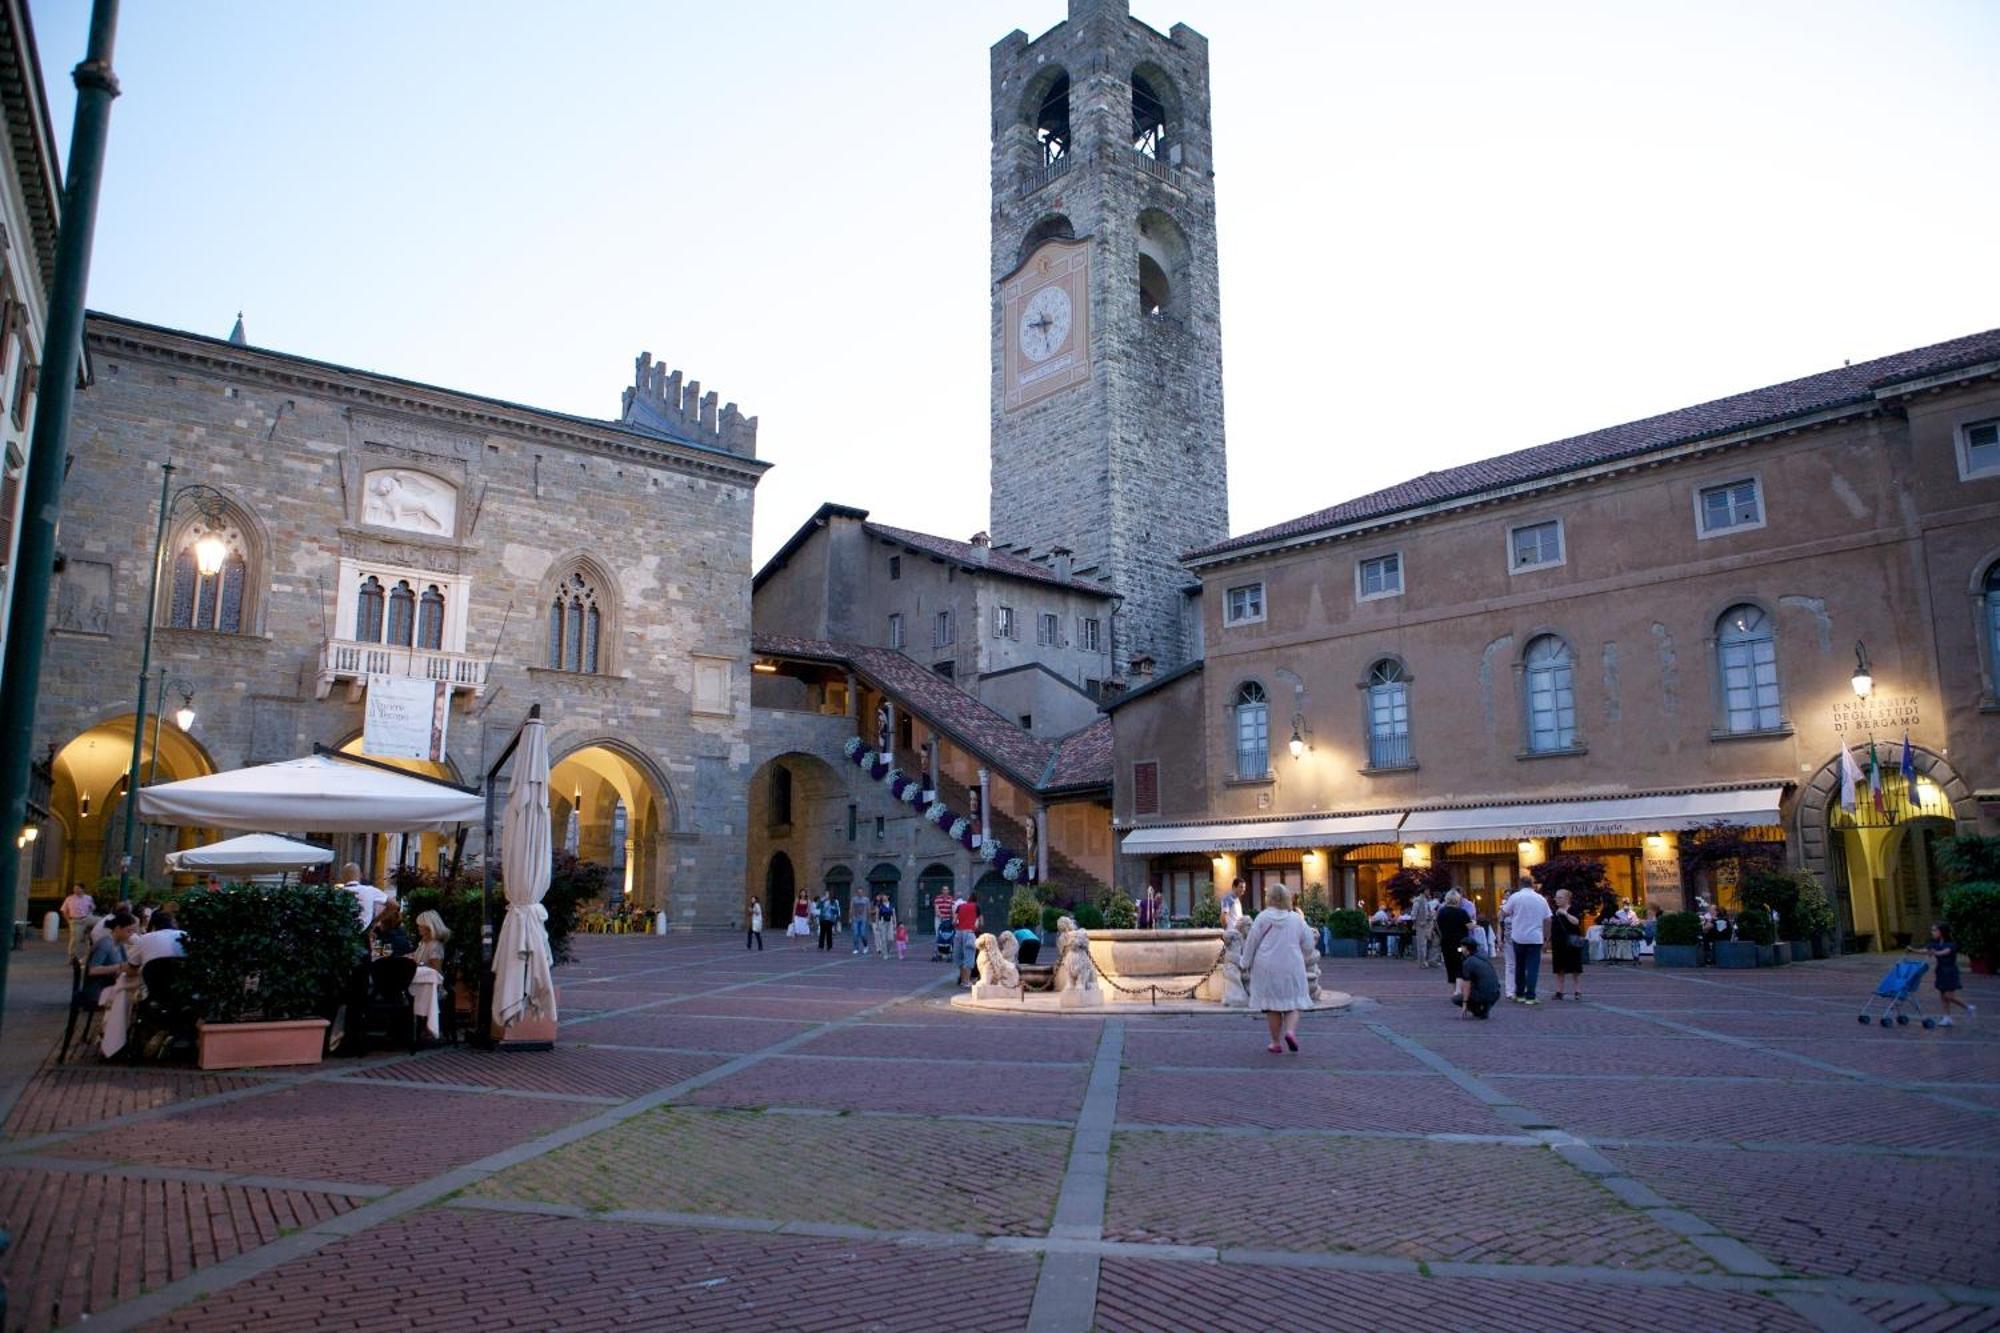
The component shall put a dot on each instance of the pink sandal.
(1275, 1049)
(1292, 1042)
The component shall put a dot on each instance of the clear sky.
(1447, 229)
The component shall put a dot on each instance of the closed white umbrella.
(255, 852)
(522, 984)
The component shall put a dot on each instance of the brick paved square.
(568, 1069)
(1224, 1044)
(481, 1269)
(1285, 1097)
(1138, 1296)
(384, 1134)
(808, 1009)
(1660, 1054)
(83, 1243)
(892, 1174)
(1897, 1219)
(679, 1029)
(985, 1038)
(1474, 1203)
(926, 1088)
(1759, 1111)
(59, 1097)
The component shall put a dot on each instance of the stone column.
(1041, 827)
(985, 807)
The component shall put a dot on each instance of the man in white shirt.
(368, 898)
(161, 940)
(1525, 914)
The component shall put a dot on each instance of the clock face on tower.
(1045, 324)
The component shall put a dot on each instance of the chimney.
(1141, 667)
(1061, 556)
(982, 548)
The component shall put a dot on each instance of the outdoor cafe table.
(1380, 938)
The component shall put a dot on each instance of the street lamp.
(184, 719)
(210, 550)
(1864, 679)
(1297, 744)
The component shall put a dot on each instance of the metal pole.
(145, 670)
(41, 501)
(153, 768)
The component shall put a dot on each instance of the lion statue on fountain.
(995, 968)
(1074, 969)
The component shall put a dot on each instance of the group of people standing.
(873, 923)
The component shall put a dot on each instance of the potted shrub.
(1813, 921)
(1753, 933)
(1207, 912)
(1314, 907)
(1024, 909)
(1972, 913)
(1349, 927)
(1089, 916)
(267, 966)
(1677, 940)
(1120, 912)
(1755, 928)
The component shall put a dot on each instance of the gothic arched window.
(1746, 652)
(430, 618)
(368, 611)
(1550, 687)
(1993, 620)
(402, 613)
(1388, 715)
(209, 601)
(1253, 731)
(576, 623)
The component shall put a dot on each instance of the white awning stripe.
(1751, 807)
(1264, 834)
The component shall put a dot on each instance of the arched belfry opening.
(1154, 113)
(1163, 264)
(1048, 114)
(1054, 227)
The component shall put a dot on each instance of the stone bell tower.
(1106, 326)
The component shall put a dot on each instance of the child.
(902, 940)
(1944, 963)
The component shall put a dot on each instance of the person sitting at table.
(161, 939)
(432, 936)
(368, 899)
(107, 956)
(1381, 917)
(390, 937)
(101, 929)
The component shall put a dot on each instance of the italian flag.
(1875, 780)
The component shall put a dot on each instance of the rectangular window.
(881, 829)
(895, 566)
(1243, 605)
(1048, 630)
(1027, 721)
(947, 668)
(1535, 546)
(24, 391)
(853, 820)
(1379, 577)
(1094, 688)
(942, 632)
(1146, 788)
(1087, 634)
(1979, 450)
(895, 630)
(1734, 506)
(1003, 622)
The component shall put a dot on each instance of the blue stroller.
(1898, 990)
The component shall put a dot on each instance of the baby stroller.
(1898, 989)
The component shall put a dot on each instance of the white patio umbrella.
(318, 793)
(257, 853)
(522, 983)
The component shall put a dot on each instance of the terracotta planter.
(297, 1041)
(1985, 965)
(535, 1031)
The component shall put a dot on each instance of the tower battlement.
(663, 403)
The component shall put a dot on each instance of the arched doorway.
(886, 878)
(780, 888)
(933, 880)
(1879, 864)
(993, 893)
(839, 886)
(797, 806)
(87, 803)
(609, 805)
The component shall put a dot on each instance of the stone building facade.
(1107, 428)
(376, 527)
(1602, 644)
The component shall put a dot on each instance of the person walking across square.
(885, 925)
(754, 927)
(1525, 914)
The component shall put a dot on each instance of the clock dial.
(1045, 323)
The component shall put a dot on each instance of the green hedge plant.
(1314, 905)
(1120, 912)
(270, 952)
(1972, 913)
(1756, 927)
(1024, 909)
(1678, 928)
(1207, 913)
(1348, 923)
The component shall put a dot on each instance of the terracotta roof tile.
(1743, 411)
(1083, 758)
(999, 562)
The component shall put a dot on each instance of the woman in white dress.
(1274, 958)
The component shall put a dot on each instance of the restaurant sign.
(406, 718)
(1881, 715)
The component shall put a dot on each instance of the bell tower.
(1106, 325)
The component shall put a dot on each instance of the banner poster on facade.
(405, 718)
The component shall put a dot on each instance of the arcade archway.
(84, 838)
(798, 808)
(607, 805)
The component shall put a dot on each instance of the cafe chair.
(78, 1004)
(167, 1009)
(387, 1007)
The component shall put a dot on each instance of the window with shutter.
(1146, 787)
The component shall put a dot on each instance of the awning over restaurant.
(1252, 835)
(1748, 806)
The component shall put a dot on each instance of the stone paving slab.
(1471, 1203)
(1006, 1039)
(1136, 1296)
(1936, 1057)
(1893, 1219)
(1241, 1046)
(862, 1085)
(459, 1270)
(567, 1069)
(1661, 1054)
(913, 1174)
(1285, 1097)
(63, 1096)
(678, 1029)
(112, 1236)
(1823, 1113)
(796, 1009)
(384, 1134)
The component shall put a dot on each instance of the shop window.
(1253, 731)
(1549, 684)
(1747, 662)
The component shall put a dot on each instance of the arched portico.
(86, 829)
(610, 805)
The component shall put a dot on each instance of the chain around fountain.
(1221, 954)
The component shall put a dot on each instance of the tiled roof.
(997, 562)
(1743, 411)
(1081, 759)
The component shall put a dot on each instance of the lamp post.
(209, 553)
(184, 719)
(1864, 678)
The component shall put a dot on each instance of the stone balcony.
(354, 662)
